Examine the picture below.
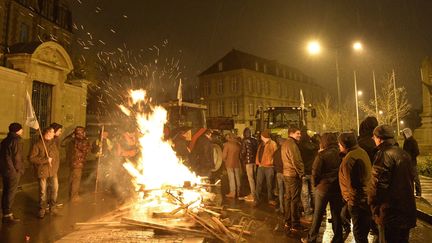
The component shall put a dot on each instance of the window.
(250, 85)
(234, 84)
(284, 73)
(280, 89)
(220, 66)
(234, 107)
(256, 66)
(277, 71)
(207, 87)
(259, 87)
(251, 109)
(221, 108)
(41, 100)
(220, 88)
(208, 111)
(265, 68)
(24, 33)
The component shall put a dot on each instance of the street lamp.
(357, 94)
(314, 48)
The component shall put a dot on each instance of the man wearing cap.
(354, 179)
(12, 168)
(264, 161)
(411, 147)
(391, 195)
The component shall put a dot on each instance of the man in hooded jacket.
(411, 147)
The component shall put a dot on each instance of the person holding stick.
(44, 155)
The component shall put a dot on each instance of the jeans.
(307, 195)
(346, 217)
(417, 182)
(10, 185)
(321, 201)
(46, 185)
(361, 219)
(234, 180)
(393, 234)
(250, 172)
(292, 200)
(281, 188)
(266, 173)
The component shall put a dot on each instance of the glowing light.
(381, 112)
(137, 95)
(314, 47)
(358, 46)
(359, 93)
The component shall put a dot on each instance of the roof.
(236, 59)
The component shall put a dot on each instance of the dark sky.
(395, 33)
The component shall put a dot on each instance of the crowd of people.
(44, 157)
(367, 180)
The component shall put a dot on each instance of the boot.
(41, 214)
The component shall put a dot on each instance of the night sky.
(395, 33)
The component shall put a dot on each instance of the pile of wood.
(207, 222)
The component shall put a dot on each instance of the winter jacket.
(265, 153)
(391, 196)
(291, 158)
(368, 144)
(11, 160)
(231, 154)
(202, 156)
(325, 170)
(248, 150)
(354, 176)
(411, 147)
(277, 160)
(77, 152)
(40, 161)
(308, 151)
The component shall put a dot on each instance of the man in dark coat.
(248, 152)
(77, 151)
(354, 179)
(411, 147)
(12, 168)
(365, 140)
(44, 155)
(202, 155)
(391, 196)
(325, 180)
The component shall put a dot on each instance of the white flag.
(179, 93)
(302, 102)
(31, 119)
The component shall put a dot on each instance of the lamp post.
(314, 48)
(357, 94)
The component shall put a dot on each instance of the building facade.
(423, 134)
(35, 37)
(239, 84)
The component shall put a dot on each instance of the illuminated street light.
(314, 47)
(402, 122)
(358, 46)
(381, 112)
(359, 93)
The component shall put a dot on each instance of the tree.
(386, 103)
(329, 118)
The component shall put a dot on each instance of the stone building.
(239, 83)
(424, 133)
(35, 37)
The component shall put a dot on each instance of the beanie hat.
(384, 132)
(15, 127)
(347, 139)
(56, 126)
(266, 133)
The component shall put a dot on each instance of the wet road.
(52, 228)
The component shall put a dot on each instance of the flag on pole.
(31, 119)
(302, 106)
(179, 93)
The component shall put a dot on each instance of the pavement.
(96, 206)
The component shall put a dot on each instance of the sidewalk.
(424, 204)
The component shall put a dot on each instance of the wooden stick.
(99, 158)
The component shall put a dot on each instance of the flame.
(158, 168)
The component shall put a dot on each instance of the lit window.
(220, 66)
(256, 66)
(234, 84)
(220, 108)
(251, 109)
